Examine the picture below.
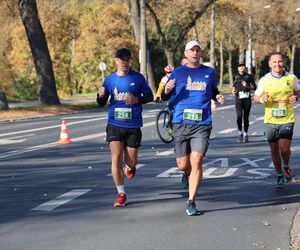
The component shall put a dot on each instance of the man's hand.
(292, 99)
(233, 91)
(213, 105)
(131, 99)
(265, 97)
(101, 91)
(220, 99)
(169, 86)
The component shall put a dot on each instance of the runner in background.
(243, 85)
(168, 70)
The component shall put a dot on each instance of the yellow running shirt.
(278, 110)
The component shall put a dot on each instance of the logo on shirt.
(132, 84)
(120, 96)
(190, 85)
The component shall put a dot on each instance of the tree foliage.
(82, 33)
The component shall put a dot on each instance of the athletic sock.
(120, 189)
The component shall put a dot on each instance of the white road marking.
(229, 130)
(225, 107)
(208, 174)
(14, 139)
(167, 152)
(174, 172)
(50, 127)
(249, 162)
(60, 200)
(54, 144)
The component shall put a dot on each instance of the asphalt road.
(59, 196)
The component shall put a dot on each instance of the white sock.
(120, 189)
(245, 133)
(240, 132)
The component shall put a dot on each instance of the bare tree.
(40, 52)
(170, 46)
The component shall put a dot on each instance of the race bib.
(192, 115)
(243, 94)
(279, 112)
(123, 113)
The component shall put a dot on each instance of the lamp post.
(102, 68)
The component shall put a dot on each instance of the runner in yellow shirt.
(279, 90)
(168, 70)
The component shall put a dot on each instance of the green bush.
(25, 89)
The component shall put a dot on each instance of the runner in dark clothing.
(243, 84)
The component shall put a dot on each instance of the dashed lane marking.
(61, 200)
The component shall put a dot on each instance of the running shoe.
(240, 138)
(121, 200)
(191, 208)
(246, 139)
(280, 181)
(130, 172)
(287, 173)
(185, 180)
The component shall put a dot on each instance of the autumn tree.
(40, 53)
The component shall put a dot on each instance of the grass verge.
(43, 110)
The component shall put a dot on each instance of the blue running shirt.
(192, 94)
(118, 87)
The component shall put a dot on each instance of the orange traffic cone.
(64, 133)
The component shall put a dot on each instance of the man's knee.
(183, 163)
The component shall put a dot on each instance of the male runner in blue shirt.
(192, 86)
(127, 90)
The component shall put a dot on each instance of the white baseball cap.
(191, 44)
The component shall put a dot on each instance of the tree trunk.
(151, 79)
(135, 19)
(40, 52)
(230, 62)
(293, 58)
(170, 56)
(221, 65)
(3, 101)
(241, 54)
(212, 36)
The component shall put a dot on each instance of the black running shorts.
(131, 137)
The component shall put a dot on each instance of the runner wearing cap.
(127, 90)
(192, 86)
(243, 84)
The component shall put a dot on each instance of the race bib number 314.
(123, 113)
